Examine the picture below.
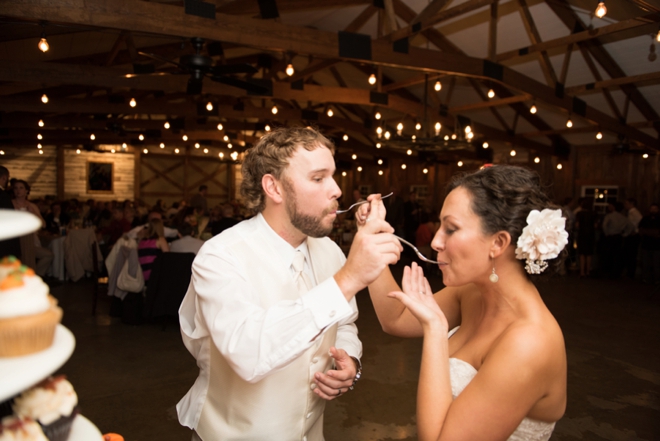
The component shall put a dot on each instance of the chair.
(168, 284)
(99, 281)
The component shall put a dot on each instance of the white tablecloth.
(57, 267)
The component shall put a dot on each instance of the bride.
(501, 371)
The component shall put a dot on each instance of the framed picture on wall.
(100, 177)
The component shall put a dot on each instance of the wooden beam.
(596, 74)
(492, 32)
(535, 37)
(491, 103)
(477, 87)
(251, 7)
(614, 82)
(361, 19)
(641, 25)
(565, 64)
(430, 10)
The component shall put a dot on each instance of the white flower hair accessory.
(542, 239)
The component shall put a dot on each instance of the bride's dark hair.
(502, 197)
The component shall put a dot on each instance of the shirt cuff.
(327, 303)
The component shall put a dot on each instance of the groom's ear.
(500, 242)
(272, 188)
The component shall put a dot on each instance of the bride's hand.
(417, 296)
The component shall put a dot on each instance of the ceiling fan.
(199, 65)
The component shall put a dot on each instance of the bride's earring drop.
(494, 277)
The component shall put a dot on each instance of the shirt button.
(315, 360)
(309, 415)
(332, 313)
(312, 386)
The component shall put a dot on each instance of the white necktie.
(301, 279)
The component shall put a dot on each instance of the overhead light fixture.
(166, 125)
(225, 138)
(44, 98)
(354, 156)
(92, 137)
(176, 151)
(438, 86)
(234, 156)
(221, 155)
(185, 137)
(409, 152)
(446, 138)
(387, 134)
(290, 70)
(657, 36)
(453, 136)
(379, 131)
(512, 153)
(206, 151)
(274, 110)
(220, 127)
(569, 123)
(330, 113)
(559, 166)
(378, 145)
(372, 79)
(599, 135)
(537, 160)
(425, 171)
(491, 93)
(230, 146)
(196, 145)
(645, 156)
(112, 150)
(377, 115)
(41, 152)
(345, 137)
(209, 106)
(380, 162)
(418, 126)
(132, 103)
(141, 137)
(162, 145)
(532, 109)
(77, 151)
(344, 173)
(380, 172)
(601, 10)
(41, 123)
(359, 168)
(403, 166)
(460, 163)
(43, 43)
(39, 136)
(267, 128)
(145, 151)
(399, 129)
(39, 146)
(484, 145)
(438, 127)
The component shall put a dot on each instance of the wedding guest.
(631, 242)
(649, 230)
(8, 247)
(586, 222)
(186, 243)
(151, 245)
(501, 372)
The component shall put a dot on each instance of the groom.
(269, 314)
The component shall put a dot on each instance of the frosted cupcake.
(28, 314)
(7, 265)
(13, 428)
(53, 404)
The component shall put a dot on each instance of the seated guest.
(56, 219)
(151, 245)
(118, 226)
(186, 243)
(169, 232)
(227, 221)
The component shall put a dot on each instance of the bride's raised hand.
(417, 296)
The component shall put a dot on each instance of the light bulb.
(438, 86)
(39, 136)
(387, 135)
(468, 129)
(359, 169)
(485, 145)
(378, 145)
(399, 128)
(380, 172)
(92, 137)
(379, 131)
(657, 37)
(403, 166)
(196, 145)
(377, 115)
(290, 70)
(162, 145)
(559, 166)
(44, 98)
(599, 135)
(453, 136)
(221, 155)
(176, 151)
(234, 156)
(185, 137)
(141, 137)
(39, 146)
(112, 150)
(345, 137)
(425, 171)
(470, 135)
(460, 163)
(601, 10)
(537, 160)
(43, 44)
(512, 153)
(491, 93)
(41, 152)
(532, 109)
(209, 106)
(145, 151)
(206, 151)
(230, 146)
(372, 79)
(124, 146)
(225, 138)
(166, 125)
(380, 162)
(645, 155)
(41, 123)
(409, 152)
(418, 126)
(133, 103)
(569, 123)
(274, 110)
(77, 151)
(354, 156)
(438, 126)
(267, 128)
(344, 173)
(330, 113)
(446, 137)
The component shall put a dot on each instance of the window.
(601, 195)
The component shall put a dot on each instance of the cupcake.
(7, 265)
(28, 314)
(13, 428)
(52, 403)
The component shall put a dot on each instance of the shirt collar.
(283, 248)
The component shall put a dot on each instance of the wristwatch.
(358, 374)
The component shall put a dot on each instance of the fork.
(360, 203)
(420, 255)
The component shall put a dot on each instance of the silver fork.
(420, 255)
(360, 203)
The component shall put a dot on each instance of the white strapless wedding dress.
(462, 372)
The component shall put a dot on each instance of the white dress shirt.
(255, 330)
(186, 244)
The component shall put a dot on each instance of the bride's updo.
(502, 197)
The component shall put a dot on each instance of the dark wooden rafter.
(161, 174)
(251, 7)
(535, 37)
(492, 31)
(594, 71)
(493, 110)
(361, 19)
(566, 63)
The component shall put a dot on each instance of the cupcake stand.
(20, 373)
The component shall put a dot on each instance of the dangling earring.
(494, 278)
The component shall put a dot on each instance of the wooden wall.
(38, 170)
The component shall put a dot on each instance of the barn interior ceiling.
(440, 80)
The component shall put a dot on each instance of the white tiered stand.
(20, 373)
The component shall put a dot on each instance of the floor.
(129, 378)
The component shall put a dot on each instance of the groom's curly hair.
(502, 197)
(271, 156)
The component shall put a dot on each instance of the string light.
(44, 98)
(92, 137)
(345, 137)
(377, 115)
(559, 166)
(537, 160)
(234, 156)
(41, 152)
(185, 137)
(267, 128)
(230, 146)
(112, 150)
(176, 151)
(372, 79)
(39, 136)
(141, 137)
(645, 155)
(569, 123)
(512, 153)
(380, 172)
(599, 135)
(220, 126)
(460, 163)
(145, 151)
(209, 106)
(387, 134)
(438, 86)
(380, 162)
(403, 166)
(409, 152)
(425, 171)
(438, 127)
(39, 146)
(330, 113)
(162, 145)
(124, 146)
(418, 126)
(196, 145)
(378, 145)
(225, 138)
(657, 37)
(601, 10)
(133, 103)
(221, 155)
(206, 151)
(399, 129)
(274, 110)
(484, 145)
(43, 43)
(77, 151)
(532, 109)
(379, 131)
(290, 70)
(359, 168)
(343, 173)
(446, 138)
(491, 93)
(453, 136)
(166, 125)
(41, 123)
